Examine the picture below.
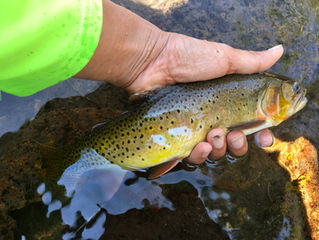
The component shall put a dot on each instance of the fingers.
(199, 153)
(241, 61)
(264, 138)
(217, 139)
(237, 143)
(216, 146)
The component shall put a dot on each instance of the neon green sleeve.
(45, 42)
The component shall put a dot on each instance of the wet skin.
(140, 57)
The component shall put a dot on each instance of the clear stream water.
(248, 198)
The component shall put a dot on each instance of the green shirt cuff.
(45, 42)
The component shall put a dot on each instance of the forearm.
(127, 46)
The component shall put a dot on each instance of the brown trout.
(167, 126)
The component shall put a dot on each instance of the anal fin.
(163, 168)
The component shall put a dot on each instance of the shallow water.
(247, 198)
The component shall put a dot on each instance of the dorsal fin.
(138, 98)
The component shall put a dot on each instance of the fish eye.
(296, 88)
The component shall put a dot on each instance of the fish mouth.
(301, 101)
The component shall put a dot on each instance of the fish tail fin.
(56, 159)
(52, 161)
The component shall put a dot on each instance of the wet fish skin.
(170, 123)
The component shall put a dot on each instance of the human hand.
(134, 54)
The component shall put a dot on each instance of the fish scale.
(169, 124)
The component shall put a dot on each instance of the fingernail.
(275, 47)
(238, 143)
(218, 141)
(264, 139)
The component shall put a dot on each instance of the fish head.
(281, 99)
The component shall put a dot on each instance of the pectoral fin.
(163, 168)
(251, 127)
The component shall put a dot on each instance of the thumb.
(203, 60)
(241, 61)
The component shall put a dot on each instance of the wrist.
(127, 46)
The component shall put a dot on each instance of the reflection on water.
(229, 200)
(98, 189)
(14, 111)
(250, 198)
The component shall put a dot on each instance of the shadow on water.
(248, 198)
